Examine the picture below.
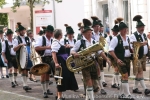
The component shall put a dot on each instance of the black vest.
(0, 47)
(141, 50)
(41, 53)
(68, 49)
(119, 50)
(8, 50)
(83, 45)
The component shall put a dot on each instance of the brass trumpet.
(58, 75)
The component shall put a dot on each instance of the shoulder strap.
(145, 36)
(74, 40)
(65, 41)
(51, 41)
(83, 46)
(110, 37)
(19, 40)
(43, 41)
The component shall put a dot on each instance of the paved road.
(8, 93)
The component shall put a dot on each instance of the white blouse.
(55, 45)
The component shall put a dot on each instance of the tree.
(30, 3)
(3, 19)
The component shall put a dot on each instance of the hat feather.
(94, 18)
(66, 25)
(116, 21)
(87, 22)
(137, 18)
(119, 19)
(79, 24)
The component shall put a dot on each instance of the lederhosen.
(46, 59)
(92, 70)
(27, 40)
(120, 52)
(67, 42)
(12, 62)
(141, 50)
(1, 61)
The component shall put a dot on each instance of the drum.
(23, 58)
(29, 62)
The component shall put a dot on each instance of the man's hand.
(57, 65)
(120, 62)
(22, 44)
(5, 60)
(48, 47)
(68, 46)
(144, 43)
(76, 55)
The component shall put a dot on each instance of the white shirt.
(55, 45)
(78, 43)
(114, 43)
(96, 36)
(12, 52)
(16, 41)
(39, 42)
(70, 42)
(103, 34)
(133, 39)
(108, 40)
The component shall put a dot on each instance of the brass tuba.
(38, 67)
(135, 62)
(85, 59)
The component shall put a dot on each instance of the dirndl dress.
(69, 81)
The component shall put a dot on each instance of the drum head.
(23, 57)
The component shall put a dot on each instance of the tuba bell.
(85, 59)
(38, 67)
(135, 61)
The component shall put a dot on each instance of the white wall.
(69, 12)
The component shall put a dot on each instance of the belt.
(126, 47)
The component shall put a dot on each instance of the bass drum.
(23, 58)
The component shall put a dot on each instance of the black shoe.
(137, 91)
(129, 98)
(50, 82)
(45, 95)
(104, 84)
(29, 88)
(7, 76)
(49, 92)
(13, 85)
(121, 96)
(114, 86)
(147, 91)
(25, 88)
(16, 83)
(2, 76)
(103, 92)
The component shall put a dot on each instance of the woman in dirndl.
(59, 57)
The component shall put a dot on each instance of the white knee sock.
(89, 93)
(43, 84)
(47, 84)
(117, 78)
(126, 89)
(136, 82)
(100, 83)
(102, 76)
(24, 78)
(121, 89)
(11, 77)
(143, 84)
(1, 70)
(15, 76)
(113, 80)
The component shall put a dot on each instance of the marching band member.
(101, 30)
(119, 50)
(60, 55)
(80, 29)
(69, 41)
(1, 61)
(140, 36)
(89, 73)
(43, 47)
(40, 33)
(116, 78)
(20, 41)
(32, 40)
(96, 36)
(9, 56)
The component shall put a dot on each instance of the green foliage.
(3, 19)
(2, 2)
